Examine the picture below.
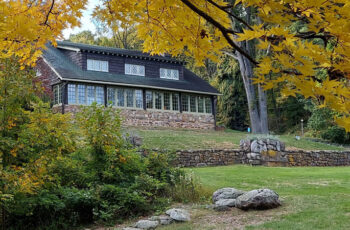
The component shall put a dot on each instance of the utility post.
(302, 127)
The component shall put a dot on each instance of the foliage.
(125, 39)
(287, 112)
(321, 124)
(292, 55)
(319, 120)
(336, 134)
(232, 105)
(26, 26)
(63, 181)
(188, 188)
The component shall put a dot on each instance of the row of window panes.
(169, 74)
(57, 94)
(131, 69)
(125, 97)
(138, 70)
(196, 104)
(85, 94)
(162, 100)
(97, 65)
(133, 98)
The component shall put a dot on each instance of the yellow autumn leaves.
(27, 25)
(307, 42)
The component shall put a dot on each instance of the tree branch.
(225, 32)
(48, 13)
(223, 8)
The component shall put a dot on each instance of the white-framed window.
(80, 94)
(57, 94)
(196, 104)
(131, 69)
(162, 100)
(97, 65)
(125, 97)
(169, 73)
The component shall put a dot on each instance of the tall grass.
(188, 189)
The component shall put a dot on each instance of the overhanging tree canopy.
(311, 59)
(306, 42)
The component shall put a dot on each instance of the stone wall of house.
(151, 118)
(214, 157)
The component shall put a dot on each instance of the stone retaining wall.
(214, 157)
(153, 118)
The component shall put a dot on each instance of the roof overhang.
(138, 86)
(69, 48)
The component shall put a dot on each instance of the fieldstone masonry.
(265, 152)
(209, 157)
(153, 118)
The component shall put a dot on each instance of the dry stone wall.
(215, 157)
(210, 157)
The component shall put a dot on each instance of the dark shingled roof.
(116, 51)
(69, 71)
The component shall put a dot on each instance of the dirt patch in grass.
(203, 218)
(235, 218)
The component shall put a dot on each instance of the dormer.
(122, 61)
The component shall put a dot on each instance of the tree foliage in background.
(125, 39)
(204, 29)
(232, 104)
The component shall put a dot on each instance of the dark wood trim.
(105, 95)
(213, 108)
(144, 99)
(63, 96)
(180, 102)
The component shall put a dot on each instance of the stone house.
(148, 90)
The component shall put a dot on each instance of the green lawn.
(189, 139)
(313, 198)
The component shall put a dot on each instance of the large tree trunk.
(246, 70)
(263, 110)
(257, 106)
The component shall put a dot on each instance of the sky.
(86, 23)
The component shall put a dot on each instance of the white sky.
(86, 23)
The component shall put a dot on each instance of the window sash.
(133, 98)
(79, 94)
(97, 65)
(57, 94)
(131, 69)
(172, 74)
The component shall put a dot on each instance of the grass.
(203, 139)
(313, 198)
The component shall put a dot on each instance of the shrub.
(336, 134)
(100, 178)
(187, 188)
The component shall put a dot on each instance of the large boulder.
(258, 199)
(226, 202)
(146, 224)
(163, 219)
(221, 208)
(178, 214)
(226, 193)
